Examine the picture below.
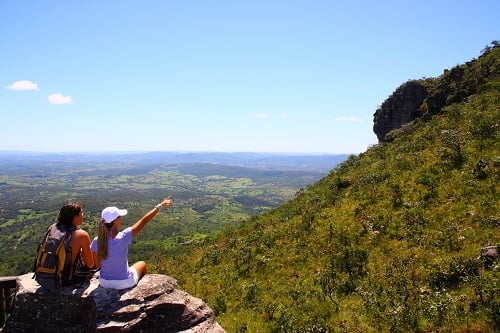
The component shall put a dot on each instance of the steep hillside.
(389, 241)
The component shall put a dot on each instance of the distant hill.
(389, 241)
(271, 161)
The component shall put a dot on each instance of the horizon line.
(121, 152)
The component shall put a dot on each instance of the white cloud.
(259, 115)
(60, 99)
(23, 85)
(348, 119)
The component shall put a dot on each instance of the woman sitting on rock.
(111, 247)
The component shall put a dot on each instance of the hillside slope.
(387, 242)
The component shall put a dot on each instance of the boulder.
(154, 305)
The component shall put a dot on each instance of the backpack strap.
(67, 239)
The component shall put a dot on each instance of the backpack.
(53, 267)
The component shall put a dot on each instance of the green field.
(207, 197)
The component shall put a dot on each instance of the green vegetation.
(206, 198)
(389, 241)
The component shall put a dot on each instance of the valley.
(210, 191)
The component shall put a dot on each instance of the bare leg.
(140, 267)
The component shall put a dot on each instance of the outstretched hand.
(137, 227)
(166, 202)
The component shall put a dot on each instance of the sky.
(227, 76)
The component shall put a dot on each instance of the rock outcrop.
(154, 305)
(402, 107)
(420, 99)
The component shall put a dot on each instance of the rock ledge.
(154, 305)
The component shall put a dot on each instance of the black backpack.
(53, 267)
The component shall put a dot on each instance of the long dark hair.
(68, 212)
(102, 239)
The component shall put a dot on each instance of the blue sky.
(261, 75)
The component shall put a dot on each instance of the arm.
(93, 248)
(137, 227)
(83, 243)
(97, 262)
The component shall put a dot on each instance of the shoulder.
(127, 233)
(80, 234)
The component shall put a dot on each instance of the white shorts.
(129, 282)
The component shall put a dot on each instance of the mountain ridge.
(272, 161)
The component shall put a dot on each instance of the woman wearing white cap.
(111, 247)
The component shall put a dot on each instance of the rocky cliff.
(154, 305)
(419, 99)
(402, 107)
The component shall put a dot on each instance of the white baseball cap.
(109, 214)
